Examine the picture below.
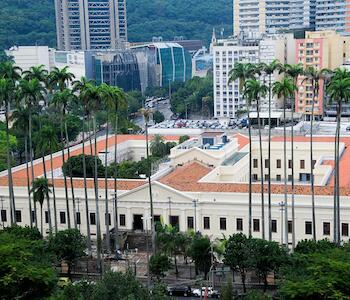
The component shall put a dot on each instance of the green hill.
(30, 22)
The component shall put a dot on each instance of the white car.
(201, 292)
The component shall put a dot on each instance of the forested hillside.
(29, 22)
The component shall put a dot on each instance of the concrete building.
(202, 63)
(204, 188)
(227, 98)
(91, 24)
(333, 15)
(320, 49)
(272, 16)
(29, 56)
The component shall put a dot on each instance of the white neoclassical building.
(204, 186)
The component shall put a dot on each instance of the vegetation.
(191, 19)
(158, 265)
(158, 117)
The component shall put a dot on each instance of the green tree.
(115, 286)
(41, 190)
(158, 265)
(68, 245)
(183, 138)
(227, 290)
(312, 246)
(158, 117)
(158, 148)
(75, 163)
(238, 256)
(25, 268)
(200, 251)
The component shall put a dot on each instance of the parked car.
(201, 292)
(179, 290)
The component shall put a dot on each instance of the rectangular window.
(62, 217)
(46, 217)
(206, 221)
(92, 218)
(78, 217)
(289, 163)
(239, 224)
(290, 177)
(290, 226)
(278, 163)
(274, 226)
(174, 221)
(266, 163)
(256, 225)
(190, 223)
(308, 227)
(345, 229)
(326, 228)
(3, 215)
(255, 177)
(278, 177)
(313, 163)
(33, 215)
(18, 216)
(266, 177)
(122, 220)
(302, 164)
(157, 219)
(222, 223)
(255, 163)
(109, 219)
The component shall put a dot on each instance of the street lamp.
(195, 201)
(282, 205)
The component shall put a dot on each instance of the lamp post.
(2, 209)
(147, 251)
(169, 202)
(282, 205)
(78, 212)
(195, 201)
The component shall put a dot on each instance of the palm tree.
(48, 142)
(243, 72)
(269, 70)
(146, 113)
(31, 92)
(21, 122)
(41, 190)
(285, 89)
(338, 90)
(6, 94)
(80, 87)
(293, 71)
(9, 74)
(61, 78)
(253, 91)
(60, 100)
(92, 96)
(39, 73)
(315, 76)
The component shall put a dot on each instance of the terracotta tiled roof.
(20, 175)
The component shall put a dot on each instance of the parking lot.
(201, 124)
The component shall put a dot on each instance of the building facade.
(333, 15)
(321, 50)
(91, 24)
(272, 16)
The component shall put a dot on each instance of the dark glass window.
(326, 228)
(302, 164)
(122, 220)
(256, 225)
(290, 226)
(3, 215)
(62, 217)
(174, 221)
(46, 217)
(345, 229)
(255, 163)
(308, 227)
(274, 225)
(278, 163)
(78, 217)
(18, 216)
(239, 224)
(206, 221)
(109, 219)
(190, 222)
(92, 218)
(222, 223)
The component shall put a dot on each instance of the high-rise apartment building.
(91, 24)
(272, 16)
(320, 49)
(333, 15)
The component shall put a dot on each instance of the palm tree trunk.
(338, 172)
(250, 176)
(31, 162)
(98, 225)
(9, 169)
(71, 177)
(90, 136)
(335, 233)
(47, 198)
(285, 174)
(53, 192)
(292, 159)
(86, 193)
(312, 164)
(261, 172)
(116, 225)
(108, 246)
(150, 191)
(28, 180)
(64, 175)
(269, 162)
(41, 217)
